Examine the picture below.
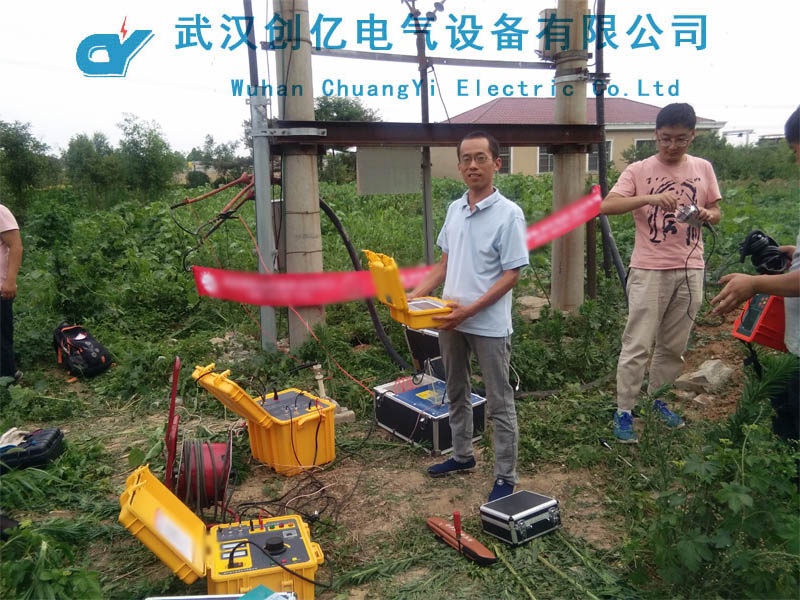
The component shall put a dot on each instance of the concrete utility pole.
(300, 177)
(569, 168)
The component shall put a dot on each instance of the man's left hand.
(453, 319)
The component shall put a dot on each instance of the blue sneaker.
(623, 428)
(451, 465)
(501, 489)
(669, 418)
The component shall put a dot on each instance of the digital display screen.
(753, 313)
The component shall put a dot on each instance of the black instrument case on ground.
(520, 517)
(38, 448)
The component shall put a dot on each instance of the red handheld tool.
(452, 535)
(457, 528)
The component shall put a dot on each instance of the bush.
(195, 179)
(727, 526)
(759, 162)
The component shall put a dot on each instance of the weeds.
(727, 519)
(46, 563)
(703, 512)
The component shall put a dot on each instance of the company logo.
(109, 54)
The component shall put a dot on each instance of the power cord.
(686, 264)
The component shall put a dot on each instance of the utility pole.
(427, 186)
(300, 177)
(261, 175)
(569, 169)
(422, 62)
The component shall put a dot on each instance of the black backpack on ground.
(79, 352)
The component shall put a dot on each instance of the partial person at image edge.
(10, 261)
(739, 287)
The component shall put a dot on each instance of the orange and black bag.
(79, 351)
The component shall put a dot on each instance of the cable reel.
(204, 472)
(204, 467)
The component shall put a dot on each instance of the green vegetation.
(338, 164)
(762, 162)
(709, 512)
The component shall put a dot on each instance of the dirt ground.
(376, 499)
(584, 513)
(405, 487)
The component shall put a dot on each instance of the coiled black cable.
(376, 322)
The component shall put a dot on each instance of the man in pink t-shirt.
(10, 260)
(665, 283)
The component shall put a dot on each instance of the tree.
(24, 162)
(195, 155)
(342, 108)
(149, 163)
(339, 163)
(92, 162)
(222, 157)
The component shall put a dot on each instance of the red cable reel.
(204, 467)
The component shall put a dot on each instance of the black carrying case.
(38, 448)
(418, 413)
(520, 517)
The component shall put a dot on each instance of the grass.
(662, 508)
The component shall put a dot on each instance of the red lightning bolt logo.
(122, 29)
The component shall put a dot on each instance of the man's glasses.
(480, 159)
(679, 142)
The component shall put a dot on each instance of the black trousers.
(7, 365)
(786, 403)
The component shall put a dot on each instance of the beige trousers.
(662, 306)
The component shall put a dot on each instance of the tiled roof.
(541, 110)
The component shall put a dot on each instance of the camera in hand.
(690, 215)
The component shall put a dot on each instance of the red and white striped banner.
(314, 289)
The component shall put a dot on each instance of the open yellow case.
(418, 313)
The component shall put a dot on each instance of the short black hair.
(494, 146)
(678, 114)
(792, 129)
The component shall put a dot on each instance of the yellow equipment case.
(234, 557)
(291, 430)
(419, 312)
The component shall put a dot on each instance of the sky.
(744, 76)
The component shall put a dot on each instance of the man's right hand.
(738, 288)
(667, 200)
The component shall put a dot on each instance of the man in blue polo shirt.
(483, 251)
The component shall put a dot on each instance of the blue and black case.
(38, 448)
